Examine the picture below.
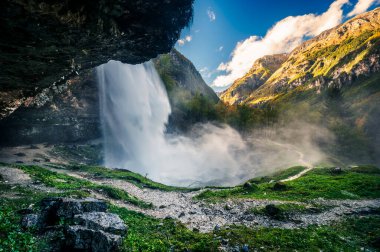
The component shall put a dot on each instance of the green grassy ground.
(134, 178)
(68, 183)
(145, 233)
(362, 182)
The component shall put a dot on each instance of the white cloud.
(362, 6)
(220, 48)
(282, 37)
(211, 15)
(205, 72)
(184, 40)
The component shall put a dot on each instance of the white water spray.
(134, 112)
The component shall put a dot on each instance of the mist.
(135, 110)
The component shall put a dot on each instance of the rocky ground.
(195, 214)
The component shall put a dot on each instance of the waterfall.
(134, 111)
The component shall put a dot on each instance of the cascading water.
(134, 111)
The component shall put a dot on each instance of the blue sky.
(219, 25)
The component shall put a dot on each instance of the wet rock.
(107, 222)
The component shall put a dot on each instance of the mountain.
(191, 99)
(181, 78)
(333, 81)
(260, 72)
(334, 58)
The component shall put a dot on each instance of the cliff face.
(45, 43)
(260, 72)
(187, 91)
(70, 112)
(180, 75)
(66, 114)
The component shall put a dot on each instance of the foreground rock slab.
(82, 224)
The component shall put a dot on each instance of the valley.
(116, 133)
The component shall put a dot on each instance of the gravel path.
(207, 216)
(16, 177)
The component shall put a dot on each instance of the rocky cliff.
(259, 73)
(45, 43)
(70, 112)
(189, 95)
(180, 75)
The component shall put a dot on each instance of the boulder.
(82, 238)
(70, 207)
(107, 222)
(82, 224)
(30, 220)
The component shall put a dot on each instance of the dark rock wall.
(69, 113)
(46, 42)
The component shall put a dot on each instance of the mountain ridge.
(332, 58)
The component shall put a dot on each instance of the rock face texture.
(86, 225)
(47, 42)
(180, 75)
(260, 72)
(69, 112)
(64, 113)
(184, 86)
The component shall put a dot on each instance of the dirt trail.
(16, 177)
(207, 216)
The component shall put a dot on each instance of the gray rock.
(82, 238)
(107, 222)
(70, 207)
(30, 220)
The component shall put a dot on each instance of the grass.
(356, 234)
(290, 172)
(126, 175)
(68, 183)
(362, 182)
(150, 234)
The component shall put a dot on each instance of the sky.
(227, 36)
